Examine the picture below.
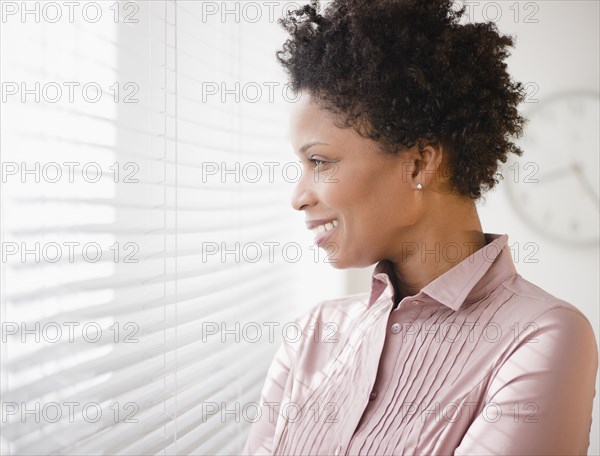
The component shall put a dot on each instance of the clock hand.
(586, 184)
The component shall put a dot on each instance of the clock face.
(554, 185)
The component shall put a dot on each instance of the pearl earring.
(419, 186)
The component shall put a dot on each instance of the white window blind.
(148, 243)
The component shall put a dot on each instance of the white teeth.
(326, 227)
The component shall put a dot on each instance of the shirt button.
(396, 328)
(373, 395)
(337, 450)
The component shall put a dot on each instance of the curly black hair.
(406, 72)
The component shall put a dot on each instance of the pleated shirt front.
(480, 361)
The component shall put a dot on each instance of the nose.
(303, 195)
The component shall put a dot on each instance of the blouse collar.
(470, 280)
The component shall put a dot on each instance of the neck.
(450, 234)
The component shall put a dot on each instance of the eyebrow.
(306, 146)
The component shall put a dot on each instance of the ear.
(426, 164)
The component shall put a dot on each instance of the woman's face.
(371, 196)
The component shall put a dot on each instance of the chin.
(341, 262)
(337, 264)
(332, 258)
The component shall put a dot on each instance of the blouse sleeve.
(262, 430)
(540, 401)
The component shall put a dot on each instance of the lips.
(312, 224)
(322, 229)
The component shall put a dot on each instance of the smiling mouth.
(322, 232)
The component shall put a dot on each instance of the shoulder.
(545, 323)
(341, 311)
(326, 324)
(527, 300)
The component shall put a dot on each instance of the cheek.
(341, 192)
(386, 206)
(365, 198)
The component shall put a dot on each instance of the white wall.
(559, 53)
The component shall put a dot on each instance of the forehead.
(305, 114)
(311, 123)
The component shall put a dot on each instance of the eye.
(316, 162)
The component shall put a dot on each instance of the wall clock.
(554, 185)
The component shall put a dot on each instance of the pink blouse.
(479, 362)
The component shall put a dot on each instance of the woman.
(403, 117)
